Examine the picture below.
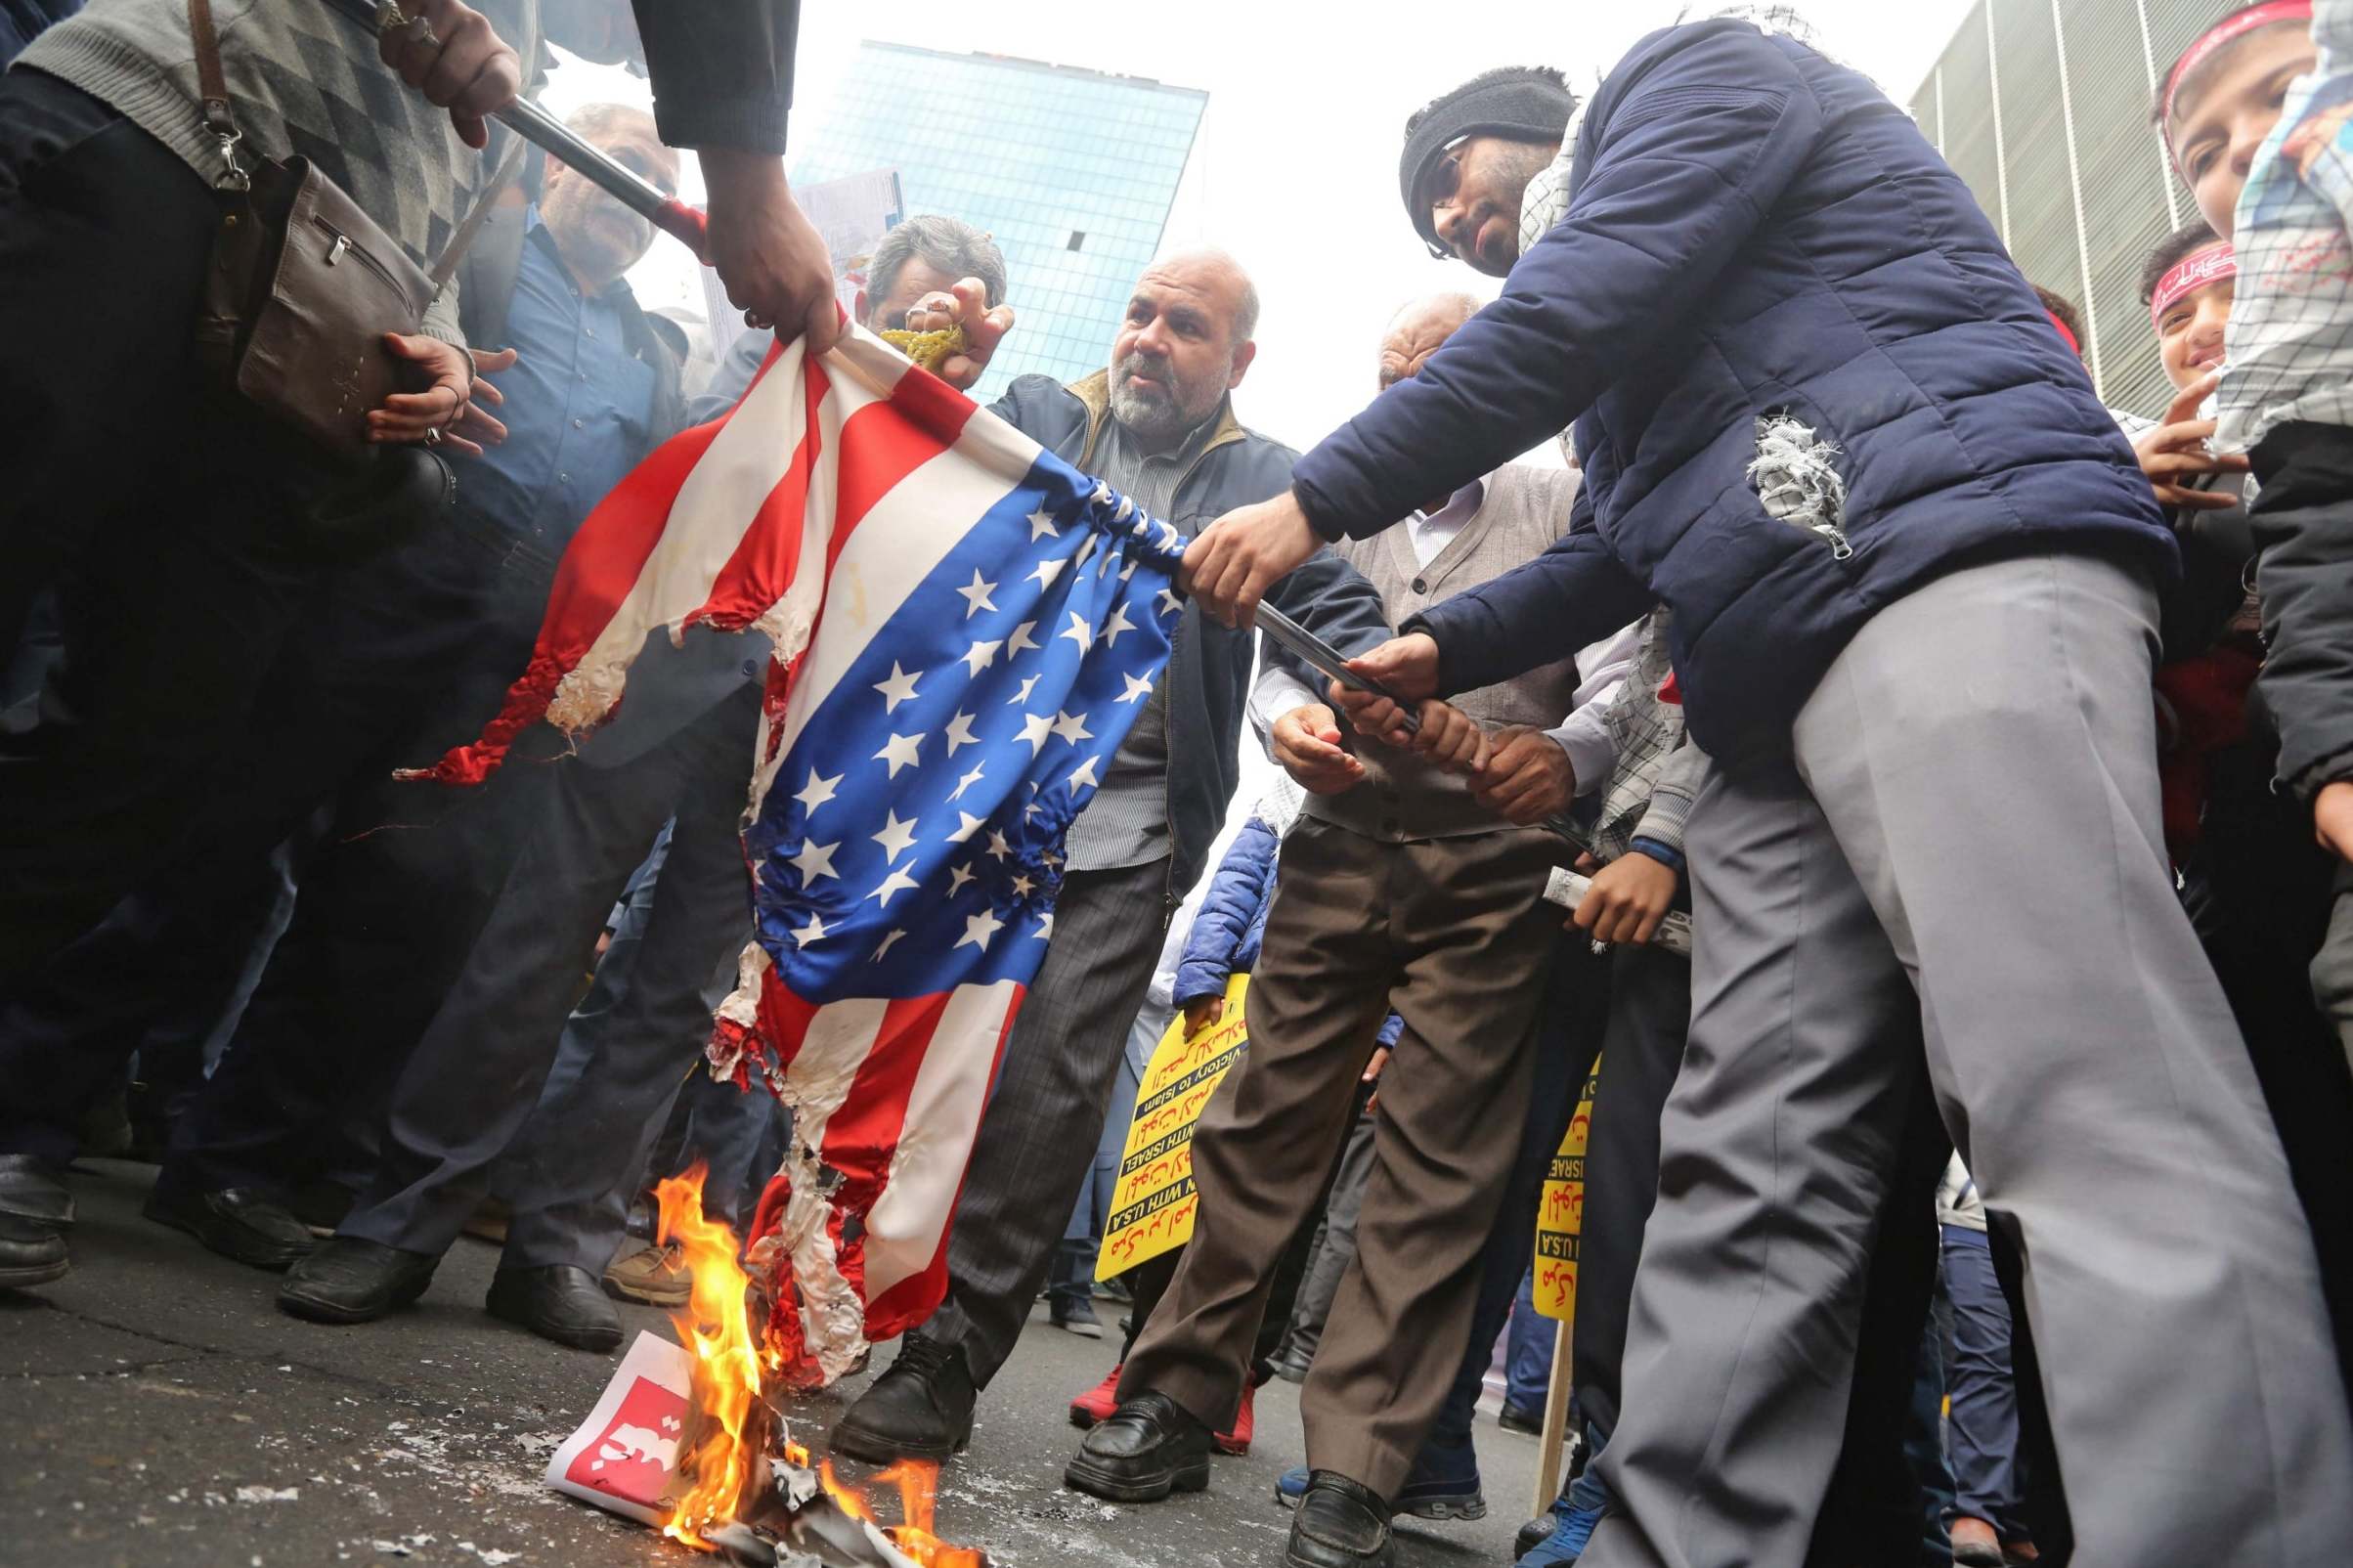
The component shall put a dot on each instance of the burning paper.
(683, 1439)
(624, 1456)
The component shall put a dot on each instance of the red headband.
(2067, 336)
(2214, 264)
(2225, 33)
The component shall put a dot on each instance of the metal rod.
(541, 129)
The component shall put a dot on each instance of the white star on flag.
(1079, 632)
(964, 826)
(817, 791)
(1021, 639)
(814, 930)
(899, 751)
(1084, 774)
(896, 837)
(899, 688)
(1118, 624)
(998, 848)
(896, 882)
(1047, 571)
(1045, 927)
(1169, 602)
(959, 732)
(1035, 728)
(884, 945)
(1136, 687)
(957, 877)
(964, 783)
(1042, 523)
(1024, 886)
(1022, 695)
(978, 929)
(981, 655)
(816, 861)
(1071, 727)
(977, 597)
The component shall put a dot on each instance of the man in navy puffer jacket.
(1914, 573)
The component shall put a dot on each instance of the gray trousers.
(1033, 1153)
(1968, 827)
(476, 1077)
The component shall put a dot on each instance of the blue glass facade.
(1071, 171)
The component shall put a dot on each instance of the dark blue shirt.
(579, 410)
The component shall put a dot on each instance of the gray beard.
(1156, 421)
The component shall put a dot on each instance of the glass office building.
(2042, 105)
(1071, 171)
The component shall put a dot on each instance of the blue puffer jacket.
(1755, 233)
(1230, 925)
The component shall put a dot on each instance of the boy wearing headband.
(2256, 118)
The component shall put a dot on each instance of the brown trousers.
(1453, 935)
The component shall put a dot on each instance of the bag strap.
(496, 186)
(213, 87)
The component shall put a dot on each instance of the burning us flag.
(965, 627)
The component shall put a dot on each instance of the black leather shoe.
(558, 1302)
(921, 1409)
(351, 1280)
(1148, 1447)
(237, 1223)
(1534, 1533)
(32, 1252)
(1512, 1418)
(32, 1189)
(1339, 1524)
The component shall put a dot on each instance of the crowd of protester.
(1997, 745)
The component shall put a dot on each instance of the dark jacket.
(1230, 926)
(1753, 231)
(1208, 665)
(723, 69)
(2304, 529)
(24, 21)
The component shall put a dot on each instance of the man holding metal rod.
(722, 74)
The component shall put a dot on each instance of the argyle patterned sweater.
(303, 78)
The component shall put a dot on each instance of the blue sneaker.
(1428, 1494)
(1443, 1484)
(1572, 1528)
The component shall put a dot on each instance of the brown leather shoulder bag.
(303, 285)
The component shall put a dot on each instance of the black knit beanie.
(1526, 103)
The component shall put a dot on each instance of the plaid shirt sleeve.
(2290, 335)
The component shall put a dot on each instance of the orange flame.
(716, 1328)
(918, 1483)
(728, 1356)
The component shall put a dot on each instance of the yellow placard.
(1560, 1216)
(1153, 1204)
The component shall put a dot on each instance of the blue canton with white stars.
(912, 838)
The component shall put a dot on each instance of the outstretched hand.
(1232, 563)
(984, 327)
(2176, 453)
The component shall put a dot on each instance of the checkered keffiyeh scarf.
(2292, 323)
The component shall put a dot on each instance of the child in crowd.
(2254, 116)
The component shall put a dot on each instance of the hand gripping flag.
(965, 627)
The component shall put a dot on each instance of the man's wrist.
(1665, 854)
(1327, 528)
(738, 170)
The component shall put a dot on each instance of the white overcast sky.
(1295, 166)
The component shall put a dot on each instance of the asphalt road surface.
(156, 1411)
